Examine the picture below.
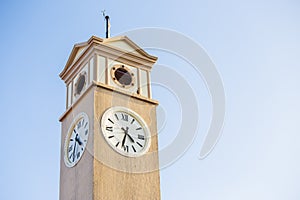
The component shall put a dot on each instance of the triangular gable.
(121, 43)
(124, 43)
(78, 50)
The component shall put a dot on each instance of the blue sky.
(255, 46)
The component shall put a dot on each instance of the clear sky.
(255, 46)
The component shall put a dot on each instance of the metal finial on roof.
(107, 24)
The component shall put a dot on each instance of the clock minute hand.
(123, 141)
(126, 132)
(124, 138)
(131, 139)
(74, 150)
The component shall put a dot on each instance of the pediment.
(124, 43)
(121, 43)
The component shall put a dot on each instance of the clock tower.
(109, 148)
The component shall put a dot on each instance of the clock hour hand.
(77, 139)
(126, 132)
(131, 139)
(73, 153)
(123, 141)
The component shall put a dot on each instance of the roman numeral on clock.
(139, 144)
(110, 121)
(141, 137)
(125, 117)
(132, 121)
(79, 125)
(70, 148)
(126, 148)
(133, 148)
(109, 128)
(117, 144)
(85, 124)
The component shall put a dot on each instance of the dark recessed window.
(123, 76)
(80, 84)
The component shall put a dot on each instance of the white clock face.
(125, 131)
(76, 139)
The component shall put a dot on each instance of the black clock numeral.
(140, 128)
(78, 155)
(79, 125)
(116, 116)
(132, 121)
(111, 121)
(133, 148)
(109, 128)
(86, 132)
(126, 148)
(124, 117)
(117, 144)
(85, 124)
(70, 148)
(71, 139)
(81, 148)
(111, 136)
(141, 137)
(139, 144)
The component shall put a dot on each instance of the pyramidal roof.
(119, 43)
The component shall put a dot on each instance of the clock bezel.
(67, 139)
(137, 117)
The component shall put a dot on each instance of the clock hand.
(78, 140)
(74, 150)
(123, 141)
(124, 138)
(126, 132)
(130, 138)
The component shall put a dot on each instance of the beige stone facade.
(102, 173)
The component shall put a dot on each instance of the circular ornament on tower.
(80, 83)
(122, 76)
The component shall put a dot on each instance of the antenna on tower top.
(107, 24)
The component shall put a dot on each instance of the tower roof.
(120, 45)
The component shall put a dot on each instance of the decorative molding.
(142, 59)
(110, 88)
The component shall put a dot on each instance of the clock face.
(76, 139)
(125, 131)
